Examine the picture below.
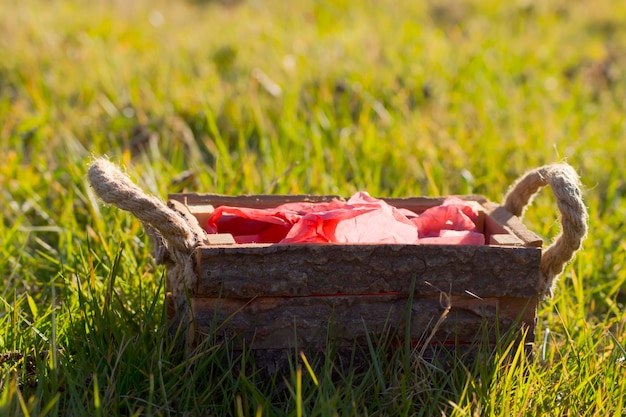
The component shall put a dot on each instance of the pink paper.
(361, 219)
(453, 214)
(455, 237)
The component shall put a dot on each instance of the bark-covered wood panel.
(251, 201)
(281, 322)
(245, 271)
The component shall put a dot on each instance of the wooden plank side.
(221, 239)
(202, 212)
(280, 322)
(245, 271)
(505, 240)
(250, 201)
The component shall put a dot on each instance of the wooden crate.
(281, 296)
(276, 296)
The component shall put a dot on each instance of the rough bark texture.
(251, 201)
(309, 322)
(245, 271)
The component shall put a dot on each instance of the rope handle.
(115, 187)
(175, 233)
(565, 184)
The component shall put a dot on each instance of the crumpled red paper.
(361, 219)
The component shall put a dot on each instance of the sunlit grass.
(396, 98)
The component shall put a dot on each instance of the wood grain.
(245, 271)
(309, 322)
(251, 201)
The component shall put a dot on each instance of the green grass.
(395, 97)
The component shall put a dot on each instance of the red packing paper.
(361, 219)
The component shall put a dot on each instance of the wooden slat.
(202, 212)
(251, 201)
(221, 239)
(280, 322)
(244, 271)
(505, 240)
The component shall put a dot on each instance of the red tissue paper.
(361, 219)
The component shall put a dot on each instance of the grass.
(396, 98)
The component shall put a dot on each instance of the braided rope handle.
(565, 184)
(115, 187)
(175, 234)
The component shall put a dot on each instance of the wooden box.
(285, 296)
(276, 296)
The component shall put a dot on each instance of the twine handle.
(565, 184)
(175, 234)
(115, 187)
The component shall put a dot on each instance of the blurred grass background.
(394, 97)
